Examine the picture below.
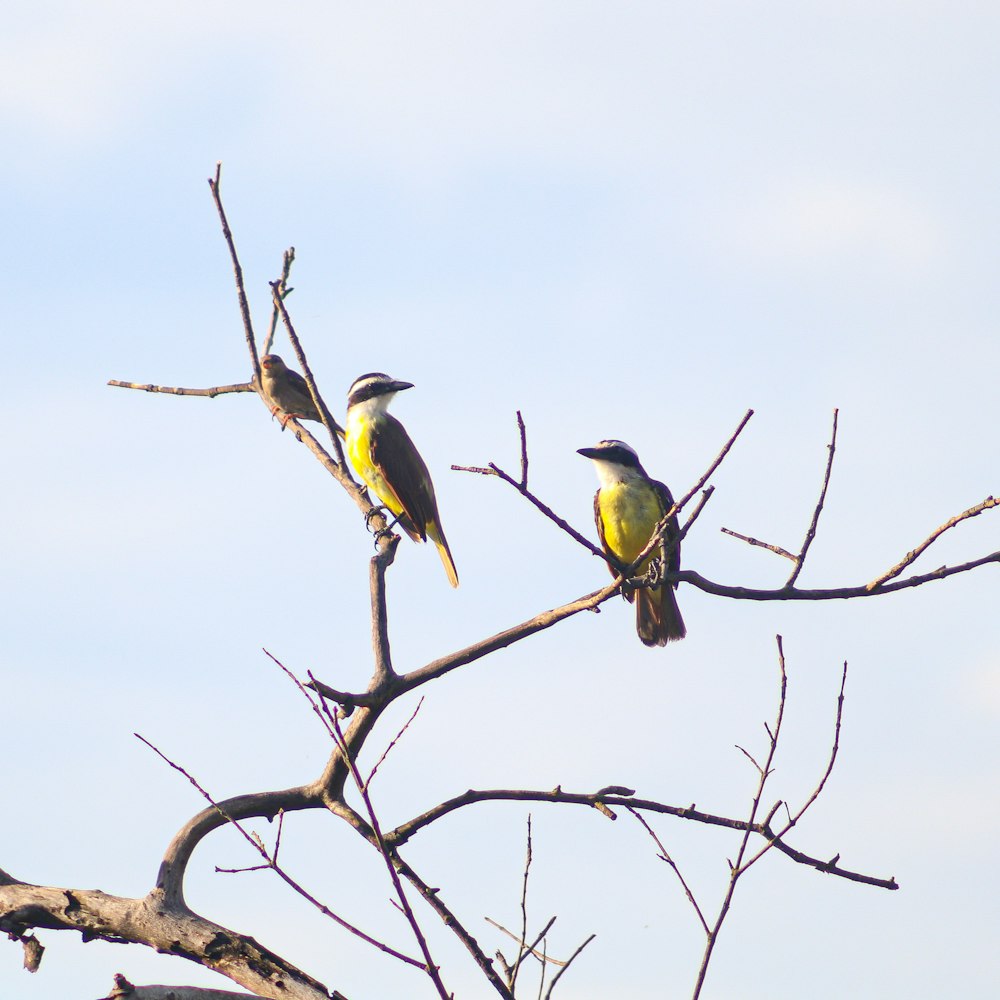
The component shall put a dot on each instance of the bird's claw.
(385, 532)
(376, 511)
(655, 572)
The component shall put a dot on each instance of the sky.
(630, 221)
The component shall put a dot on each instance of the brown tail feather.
(657, 618)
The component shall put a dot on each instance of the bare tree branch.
(831, 593)
(392, 743)
(911, 556)
(756, 541)
(218, 390)
(569, 962)
(287, 259)
(150, 921)
(332, 427)
(736, 868)
(665, 856)
(811, 532)
(214, 185)
(124, 990)
(231, 811)
(557, 796)
(430, 967)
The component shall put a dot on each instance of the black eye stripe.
(362, 389)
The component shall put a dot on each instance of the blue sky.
(633, 220)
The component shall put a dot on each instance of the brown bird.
(287, 390)
(627, 508)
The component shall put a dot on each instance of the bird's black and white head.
(615, 461)
(374, 391)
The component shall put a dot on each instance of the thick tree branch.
(124, 990)
(380, 615)
(266, 805)
(151, 921)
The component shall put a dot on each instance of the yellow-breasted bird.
(627, 508)
(385, 458)
(287, 390)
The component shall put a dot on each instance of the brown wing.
(673, 528)
(404, 471)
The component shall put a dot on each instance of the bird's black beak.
(589, 452)
(400, 386)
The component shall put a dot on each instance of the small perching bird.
(385, 458)
(627, 508)
(287, 390)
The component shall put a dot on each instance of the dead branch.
(665, 856)
(152, 922)
(911, 556)
(569, 962)
(756, 541)
(332, 427)
(811, 532)
(227, 233)
(231, 812)
(557, 796)
(217, 390)
(431, 967)
(831, 593)
(287, 259)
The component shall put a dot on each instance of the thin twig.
(524, 450)
(524, 908)
(811, 533)
(392, 743)
(736, 868)
(665, 856)
(912, 555)
(569, 962)
(332, 427)
(667, 521)
(495, 470)
(214, 185)
(755, 541)
(286, 266)
(834, 749)
(304, 690)
(433, 899)
(532, 949)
